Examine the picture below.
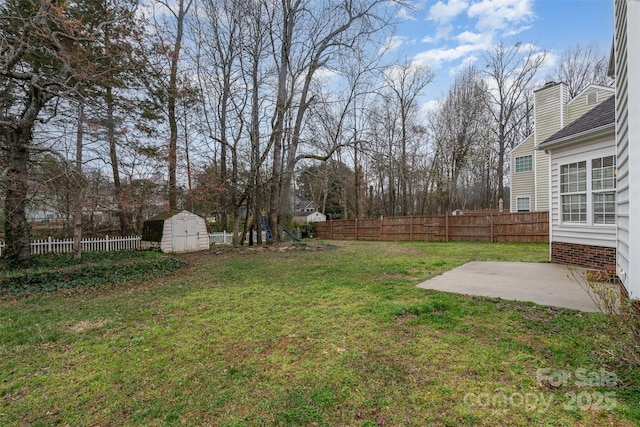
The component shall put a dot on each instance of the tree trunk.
(171, 104)
(17, 234)
(255, 150)
(115, 169)
(18, 139)
(77, 215)
(501, 156)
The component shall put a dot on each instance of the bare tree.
(582, 65)
(405, 83)
(510, 71)
(311, 36)
(171, 44)
(460, 130)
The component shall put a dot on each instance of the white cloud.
(466, 62)
(428, 39)
(429, 107)
(528, 47)
(552, 60)
(395, 72)
(443, 32)
(324, 73)
(483, 40)
(495, 15)
(516, 30)
(392, 43)
(435, 57)
(445, 12)
(405, 15)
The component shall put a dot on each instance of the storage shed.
(175, 231)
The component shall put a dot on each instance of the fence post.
(108, 244)
(49, 245)
(411, 228)
(491, 225)
(356, 229)
(446, 226)
(381, 222)
(331, 222)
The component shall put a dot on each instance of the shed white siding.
(627, 65)
(582, 234)
(523, 183)
(184, 232)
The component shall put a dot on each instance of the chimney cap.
(548, 85)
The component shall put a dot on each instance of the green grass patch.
(53, 272)
(337, 337)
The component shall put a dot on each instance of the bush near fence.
(481, 226)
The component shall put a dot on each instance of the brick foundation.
(589, 256)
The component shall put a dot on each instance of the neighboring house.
(305, 211)
(530, 167)
(304, 206)
(582, 159)
(627, 71)
(305, 217)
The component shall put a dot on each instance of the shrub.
(620, 310)
(49, 273)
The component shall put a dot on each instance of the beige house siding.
(586, 100)
(542, 181)
(552, 112)
(587, 233)
(523, 183)
(627, 66)
(550, 116)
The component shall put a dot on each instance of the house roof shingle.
(601, 115)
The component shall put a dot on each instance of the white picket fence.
(112, 244)
(224, 238)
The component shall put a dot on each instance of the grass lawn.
(309, 337)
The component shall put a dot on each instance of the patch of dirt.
(399, 250)
(541, 315)
(394, 276)
(398, 276)
(404, 318)
(227, 251)
(86, 325)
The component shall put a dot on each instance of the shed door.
(185, 234)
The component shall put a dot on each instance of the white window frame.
(528, 199)
(603, 188)
(573, 193)
(515, 163)
(586, 193)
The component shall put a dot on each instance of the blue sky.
(446, 35)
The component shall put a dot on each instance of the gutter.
(572, 138)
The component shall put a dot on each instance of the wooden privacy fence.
(484, 227)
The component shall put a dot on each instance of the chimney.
(549, 110)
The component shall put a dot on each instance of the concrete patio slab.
(541, 283)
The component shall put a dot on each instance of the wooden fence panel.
(483, 226)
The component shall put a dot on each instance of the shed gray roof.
(598, 117)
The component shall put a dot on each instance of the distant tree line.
(232, 107)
